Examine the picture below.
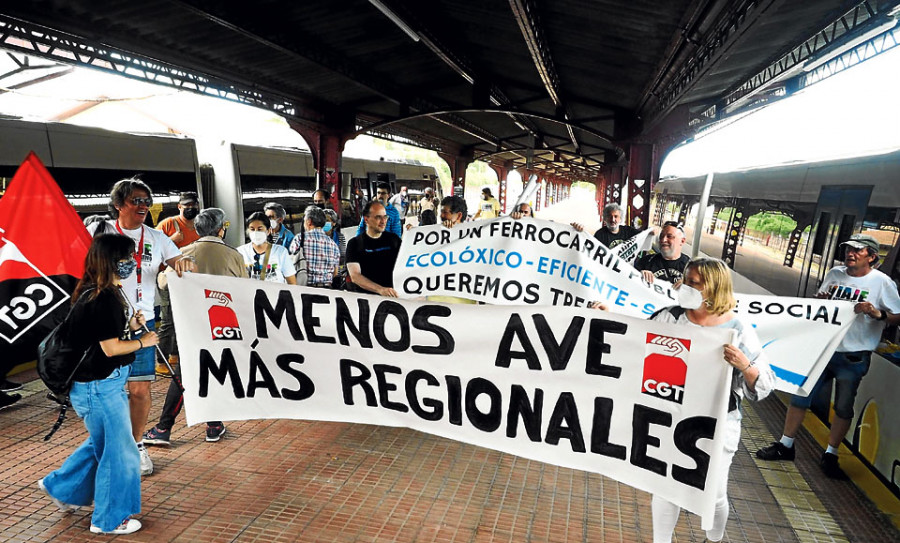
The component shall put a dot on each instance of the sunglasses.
(674, 224)
(142, 201)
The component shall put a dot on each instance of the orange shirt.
(178, 223)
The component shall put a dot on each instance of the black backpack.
(57, 362)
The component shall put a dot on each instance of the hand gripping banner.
(530, 261)
(638, 401)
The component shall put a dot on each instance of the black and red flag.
(42, 248)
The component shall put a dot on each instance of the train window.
(821, 234)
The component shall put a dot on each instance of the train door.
(839, 213)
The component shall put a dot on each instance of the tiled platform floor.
(284, 481)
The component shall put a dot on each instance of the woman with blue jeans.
(105, 468)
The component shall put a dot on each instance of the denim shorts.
(144, 366)
(847, 370)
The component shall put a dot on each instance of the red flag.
(42, 248)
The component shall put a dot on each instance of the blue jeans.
(144, 366)
(847, 370)
(106, 468)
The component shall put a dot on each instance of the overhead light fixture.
(827, 55)
(395, 19)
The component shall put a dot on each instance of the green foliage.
(771, 223)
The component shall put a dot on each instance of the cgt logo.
(665, 369)
(223, 323)
(25, 308)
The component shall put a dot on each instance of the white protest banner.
(639, 401)
(530, 261)
(630, 248)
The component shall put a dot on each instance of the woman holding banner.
(105, 469)
(266, 261)
(706, 298)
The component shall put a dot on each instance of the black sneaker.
(829, 465)
(7, 400)
(214, 432)
(9, 386)
(775, 451)
(155, 436)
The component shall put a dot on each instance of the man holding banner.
(669, 263)
(876, 298)
(372, 254)
(613, 232)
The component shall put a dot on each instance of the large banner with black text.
(530, 261)
(638, 401)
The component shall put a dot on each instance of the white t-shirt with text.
(876, 288)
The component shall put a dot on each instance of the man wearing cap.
(180, 228)
(878, 303)
(488, 208)
(669, 263)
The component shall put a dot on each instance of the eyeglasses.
(136, 201)
(378, 217)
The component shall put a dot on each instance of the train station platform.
(286, 481)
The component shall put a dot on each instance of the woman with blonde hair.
(706, 298)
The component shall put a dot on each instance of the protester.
(426, 202)
(105, 469)
(180, 228)
(266, 261)
(668, 264)
(428, 218)
(212, 256)
(613, 232)
(333, 229)
(279, 233)
(400, 201)
(454, 211)
(130, 201)
(394, 225)
(322, 255)
(523, 210)
(321, 198)
(181, 231)
(489, 207)
(877, 300)
(371, 255)
(711, 304)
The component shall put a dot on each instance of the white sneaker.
(146, 463)
(64, 507)
(128, 526)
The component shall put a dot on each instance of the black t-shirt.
(611, 240)
(376, 256)
(93, 321)
(667, 270)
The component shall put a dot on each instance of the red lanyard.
(138, 254)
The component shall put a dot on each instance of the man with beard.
(668, 264)
(613, 232)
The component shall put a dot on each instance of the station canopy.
(562, 85)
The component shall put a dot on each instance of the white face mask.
(257, 237)
(689, 297)
(273, 224)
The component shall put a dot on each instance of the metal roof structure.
(563, 86)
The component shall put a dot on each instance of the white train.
(240, 179)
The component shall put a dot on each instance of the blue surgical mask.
(327, 227)
(125, 269)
